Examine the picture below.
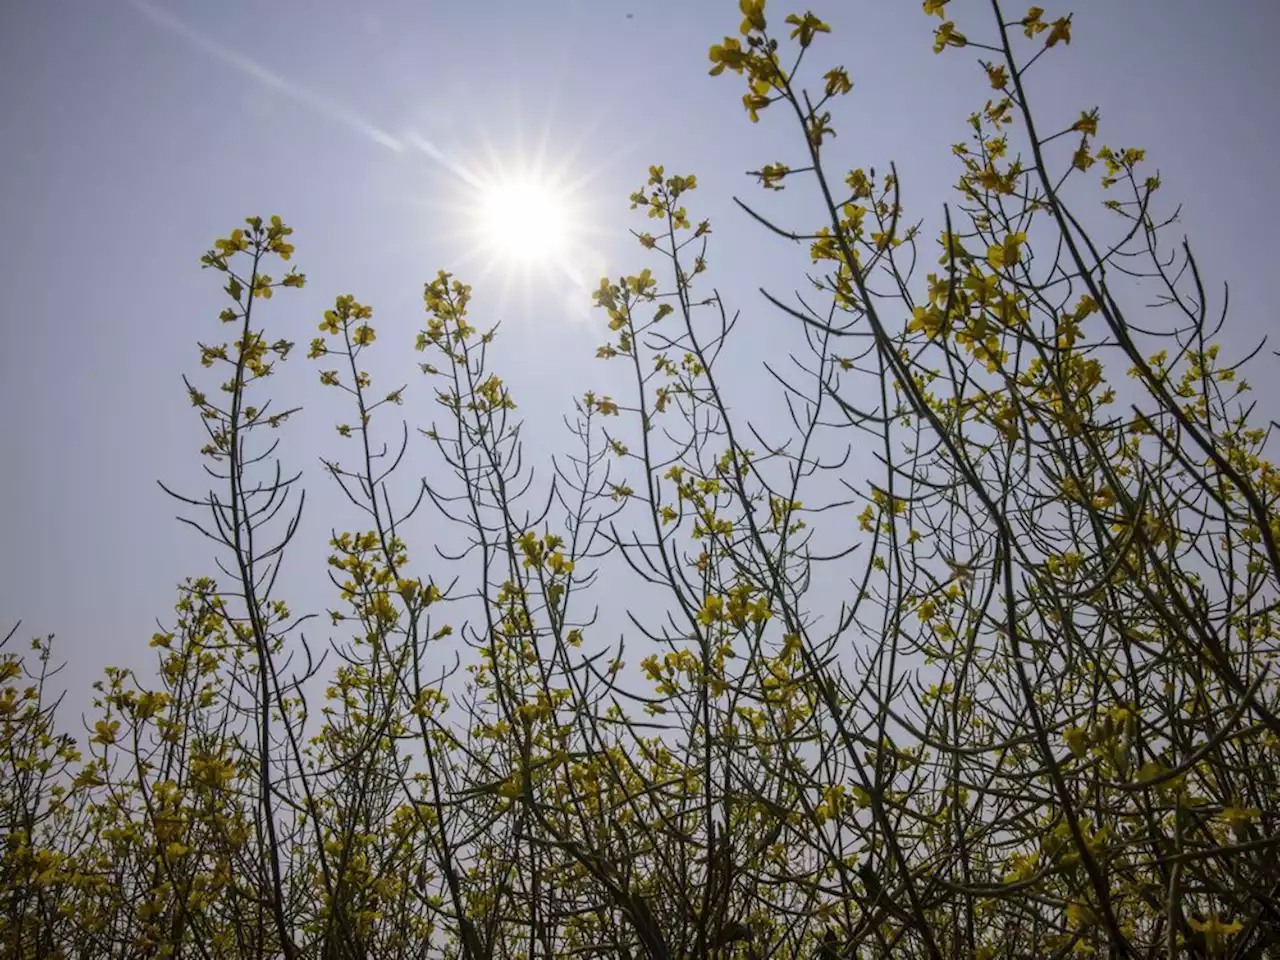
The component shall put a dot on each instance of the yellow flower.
(558, 564)
(806, 27)
(865, 518)
(1077, 739)
(1033, 23)
(837, 81)
(104, 732)
(947, 36)
(643, 282)
(1061, 31)
(752, 15)
(712, 610)
(1007, 253)
(1214, 930)
(728, 54)
(756, 99)
(1087, 124)
(1080, 915)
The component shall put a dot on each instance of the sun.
(521, 217)
(524, 220)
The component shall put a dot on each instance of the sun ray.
(268, 78)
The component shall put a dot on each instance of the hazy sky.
(134, 133)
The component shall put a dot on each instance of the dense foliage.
(1038, 718)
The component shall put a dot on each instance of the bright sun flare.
(524, 221)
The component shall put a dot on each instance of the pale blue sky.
(133, 135)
